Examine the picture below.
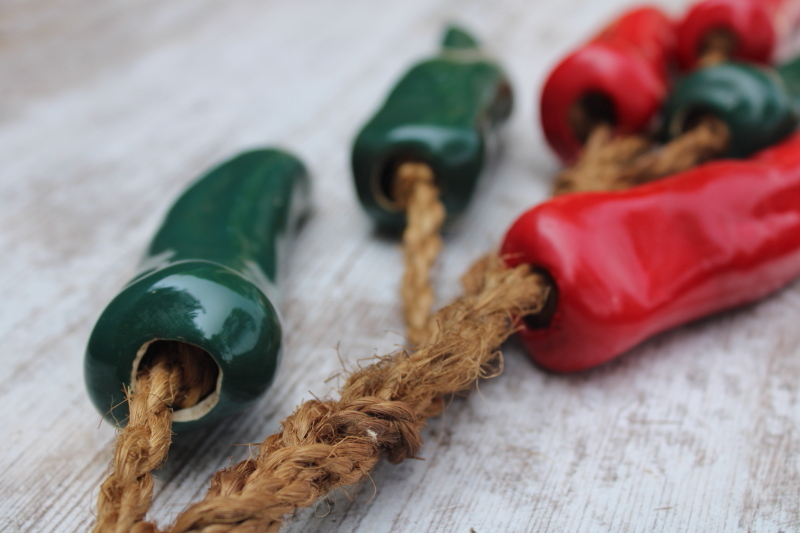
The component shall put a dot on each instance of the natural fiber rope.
(141, 447)
(176, 378)
(328, 444)
(618, 163)
(708, 139)
(415, 190)
(600, 162)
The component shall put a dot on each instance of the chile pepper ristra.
(619, 78)
(750, 27)
(630, 264)
(443, 113)
(208, 280)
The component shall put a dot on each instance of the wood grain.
(110, 108)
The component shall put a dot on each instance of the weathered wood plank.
(112, 107)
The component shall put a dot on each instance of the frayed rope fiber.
(172, 380)
(329, 444)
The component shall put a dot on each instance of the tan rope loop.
(173, 379)
(328, 444)
(416, 192)
(707, 140)
(601, 161)
(619, 163)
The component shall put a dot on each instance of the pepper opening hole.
(592, 110)
(693, 119)
(387, 182)
(543, 318)
(716, 46)
(201, 377)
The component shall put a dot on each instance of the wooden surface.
(110, 108)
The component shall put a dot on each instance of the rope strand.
(608, 163)
(329, 444)
(601, 161)
(416, 192)
(707, 140)
(175, 378)
(126, 494)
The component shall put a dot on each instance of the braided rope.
(600, 163)
(328, 444)
(619, 163)
(142, 446)
(707, 140)
(173, 379)
(416, 192)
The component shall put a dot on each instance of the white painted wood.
(110, 108)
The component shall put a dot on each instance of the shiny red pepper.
(752, 23)
(630, 264)
(623, 70)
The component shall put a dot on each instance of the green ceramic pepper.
(755, 102)
(790, 74)
(443, 112)
(208, 279)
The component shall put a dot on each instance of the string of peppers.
(558, 275)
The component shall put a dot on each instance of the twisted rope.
(414, 189)
(609, 163)
(707, 140)
(173, 379)
(600, 162)
(328, 444)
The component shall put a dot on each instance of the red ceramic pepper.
(753, 24)
(620, 76)
(630, 264)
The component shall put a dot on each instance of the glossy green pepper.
(790, 74)
(444, 112)
(208, 279)
(753, 101)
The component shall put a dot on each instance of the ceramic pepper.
(619, 78)
(445, 112)
(208, 279)
(629, 264)
(757, 103)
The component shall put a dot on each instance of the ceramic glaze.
(208, 279)
(443, 112)
(753, 101)
(630, 264)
